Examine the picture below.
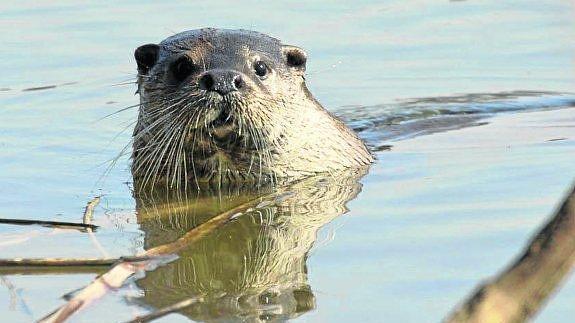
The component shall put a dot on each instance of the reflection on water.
(253, 268)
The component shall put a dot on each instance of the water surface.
(469, 105)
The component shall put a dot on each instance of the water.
(439, 212)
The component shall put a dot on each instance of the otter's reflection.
(253, 268)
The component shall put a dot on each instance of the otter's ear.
(294, 56)
(146, 56)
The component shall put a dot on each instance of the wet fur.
(273, 131)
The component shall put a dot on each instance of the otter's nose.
(221, 81)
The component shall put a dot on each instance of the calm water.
(438, 213)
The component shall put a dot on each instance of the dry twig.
(521, 290)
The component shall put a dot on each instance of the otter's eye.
(260, 68)
(182, 68)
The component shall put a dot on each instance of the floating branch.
(43, 262)
(57, 224)
(51, 270)
(64, 262)
(86, 224)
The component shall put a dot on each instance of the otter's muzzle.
(221, 81)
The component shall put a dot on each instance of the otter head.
(221, 106)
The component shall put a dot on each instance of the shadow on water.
(253, 268)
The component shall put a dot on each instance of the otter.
(222, 106)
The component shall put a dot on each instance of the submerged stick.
(167, 310)
(87, 219)
(58, 224)
(16, 299)
(56, 262)
(89, 210)
(121, 271)
(520, 291)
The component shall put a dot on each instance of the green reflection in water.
(255, 266)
